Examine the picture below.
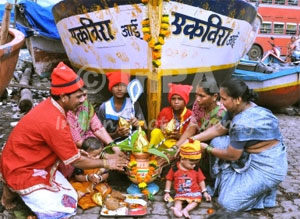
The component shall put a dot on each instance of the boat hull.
(207, 38)
(46, 53)
(42, 39)
(276, 90)
(9, 54)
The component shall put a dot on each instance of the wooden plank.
(5, 24)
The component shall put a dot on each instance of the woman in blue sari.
(252, 157)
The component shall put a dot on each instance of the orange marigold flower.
(151, 43)
(147, 37)
(156, 55)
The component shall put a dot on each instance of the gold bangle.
(209, 149)
(104, 163)
(102, 154)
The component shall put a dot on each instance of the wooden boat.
(157, 41)
(42, 39)
(277, 89)
(9, 54)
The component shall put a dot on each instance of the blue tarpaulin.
(40, 19)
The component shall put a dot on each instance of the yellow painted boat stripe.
(277, 86)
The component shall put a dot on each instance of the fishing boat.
(156, 41)
(9, 54)
(36, 21)
(278, 86)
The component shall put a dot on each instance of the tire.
(255, 53)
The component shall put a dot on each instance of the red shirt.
(167, 114)
(185, 181)
(35, 147)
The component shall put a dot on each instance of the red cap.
(64, 80)
(181, 90)
(117, 77)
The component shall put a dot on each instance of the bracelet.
(104, 163)
(100, 178)
(209, 149)
(167, 191)
(204, 190)
(87, 177)
(102, 154)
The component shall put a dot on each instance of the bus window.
(279, 2)
(266, 1)
(278, 28)
(292, 2)
(291, 28)
(266, 27)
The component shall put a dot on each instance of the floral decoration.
(142, 181)
(153, 43)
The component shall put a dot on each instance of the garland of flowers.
(155, 45)
(143, 181)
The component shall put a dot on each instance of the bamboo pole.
(154, 77)
(5, 24)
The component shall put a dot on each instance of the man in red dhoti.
(41, 140)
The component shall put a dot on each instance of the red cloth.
(185, 181)
(64, 80)
(117, 77)
(181, 90)
(166, 114)
(34, 148)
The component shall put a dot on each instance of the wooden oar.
(134, 90)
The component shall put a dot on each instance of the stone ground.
(288, 199)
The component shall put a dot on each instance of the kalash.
(142, 169)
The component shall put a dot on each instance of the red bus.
(281, 20)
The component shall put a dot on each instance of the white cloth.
(55, 205)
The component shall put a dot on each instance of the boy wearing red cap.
(39, 143)
(171, 118)
(188, 180)
(119, 105)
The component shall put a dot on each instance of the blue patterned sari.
(250, 182)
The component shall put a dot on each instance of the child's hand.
(167, 197)
(122, 132)
(94, 178)
(175, 135)
(207, 196)
(134, 122)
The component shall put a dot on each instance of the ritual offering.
(170, 127)
(142, 169)
(123, 123)
(132, 205)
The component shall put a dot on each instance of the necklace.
(155, 42)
